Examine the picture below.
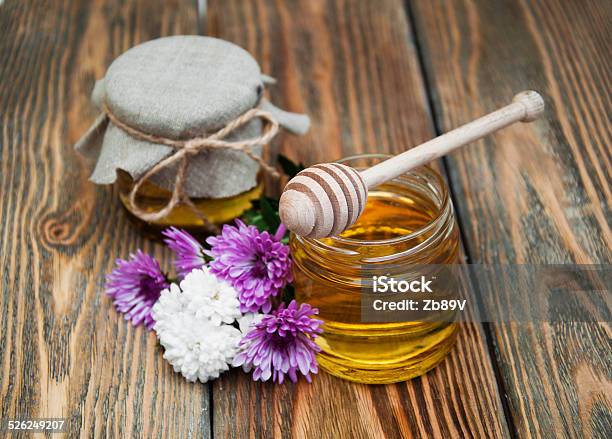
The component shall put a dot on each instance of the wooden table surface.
(375, 76)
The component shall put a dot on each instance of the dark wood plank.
(65, 352)
(352, 66)
(534, 194)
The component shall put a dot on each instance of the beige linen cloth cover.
(181, 87)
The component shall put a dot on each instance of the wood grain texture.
(352, 67)
(65, 352)
(537, 194)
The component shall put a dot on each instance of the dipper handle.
(326, 199)
(525, 107)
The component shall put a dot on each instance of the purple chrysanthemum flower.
(282, 343)
(135, 286)
(189, 252)
(256, 263)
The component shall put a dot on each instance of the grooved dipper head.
(323, 200)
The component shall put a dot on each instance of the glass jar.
(408, 221)
(152, 198)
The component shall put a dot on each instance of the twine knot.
(183, 149)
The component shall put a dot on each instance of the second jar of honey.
(182, 126)
(407, 222)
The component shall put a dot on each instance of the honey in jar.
(407, 222)
(217, 211)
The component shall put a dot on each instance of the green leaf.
(263, 215)
(288, 294)
(253, 217)
(290, 168)
(272, 202)
(270, 214)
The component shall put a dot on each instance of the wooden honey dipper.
(326, 199)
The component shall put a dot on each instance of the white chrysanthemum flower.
(189, 324)
(171, 302)
(196, 348)
(209, 297)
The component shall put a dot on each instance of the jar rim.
(440, 216)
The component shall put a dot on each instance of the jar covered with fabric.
(182, 126)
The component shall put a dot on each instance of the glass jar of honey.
(408, 221)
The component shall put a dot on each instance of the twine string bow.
(184, 149)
